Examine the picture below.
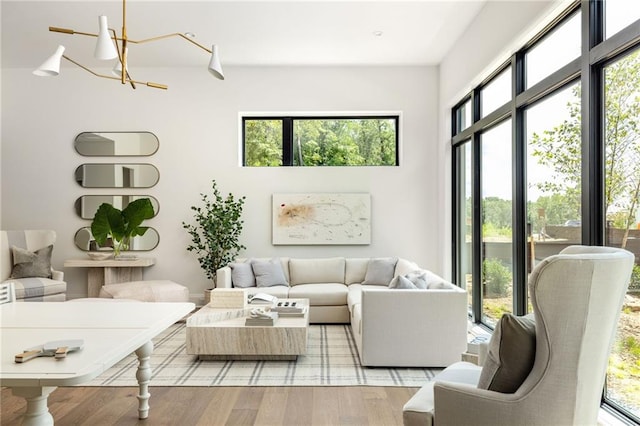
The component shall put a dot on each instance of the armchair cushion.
(28, 264)
(511, 354)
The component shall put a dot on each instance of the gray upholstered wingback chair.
(577, 296)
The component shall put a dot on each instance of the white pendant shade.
(51, 67)
(117, 68)
(105, 49)
(214, 64)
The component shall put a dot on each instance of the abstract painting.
(314, 219)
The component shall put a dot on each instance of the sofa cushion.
(313, 271)
(380, 271)
(404, 266)
(242, 274)
(434, 280)
(511, 354)
(38, 287)
(280, 291)
(28, 264)
(268, 273)
(325, 294)
(354, 296)
(355, 270)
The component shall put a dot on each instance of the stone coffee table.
(220, 334)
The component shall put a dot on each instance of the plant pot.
(207, 295)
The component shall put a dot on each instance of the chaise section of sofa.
(424, 327)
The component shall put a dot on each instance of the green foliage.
(560, 148)
(216, 233)
(121, 225)
(632, 346)
(323, 142)
(635, 278)
(496, 277)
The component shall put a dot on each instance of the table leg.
(37, 413)
(144, 377)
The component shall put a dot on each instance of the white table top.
(110, 331)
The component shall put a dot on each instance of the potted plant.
(216, 233)
(120, 226)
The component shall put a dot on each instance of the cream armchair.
(577, 296)
(30, 288)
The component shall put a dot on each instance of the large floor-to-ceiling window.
(547, 154)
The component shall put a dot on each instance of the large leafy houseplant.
(121, 225)
(216, 233)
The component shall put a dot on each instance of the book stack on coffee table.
(289, 308)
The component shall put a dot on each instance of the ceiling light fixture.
(107, 48)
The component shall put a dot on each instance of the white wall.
(196, 121)
(499, 30)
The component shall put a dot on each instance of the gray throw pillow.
(402, 283)
(418, 278)
(512, 351)
(27, 264)
(268, 273)
(380, 271)
(242, 275)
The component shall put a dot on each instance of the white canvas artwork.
(306, 219)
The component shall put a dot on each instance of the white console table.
(111, 271)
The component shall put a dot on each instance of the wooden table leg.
(37, 413)
(95, 281)
(144, 377)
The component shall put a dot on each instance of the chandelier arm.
(147, 40)
(124, 69)
(148, 83)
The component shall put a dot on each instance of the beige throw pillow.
(512, 351)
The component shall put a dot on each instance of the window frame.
(596, 53)
(287, 133)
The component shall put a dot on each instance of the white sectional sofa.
(424, 327)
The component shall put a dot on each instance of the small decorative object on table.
(227, 298)
(97, 255)
(263, 299)
(260, 318)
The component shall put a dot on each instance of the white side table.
(111, 271)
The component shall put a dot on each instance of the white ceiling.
(418, 32)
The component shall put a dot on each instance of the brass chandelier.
(110, 46)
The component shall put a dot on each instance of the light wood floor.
(184, 406)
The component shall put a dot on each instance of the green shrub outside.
(496, 277)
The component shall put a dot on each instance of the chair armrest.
(57, 275)
(481, 407)
(223, 277)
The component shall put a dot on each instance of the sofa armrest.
(413, 328)
(57, 275)
(223, 277)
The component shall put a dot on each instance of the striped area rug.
(331, 360)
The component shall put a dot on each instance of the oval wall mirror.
(87, 205)
(117, 175)
(84, 241)
(116, 144)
